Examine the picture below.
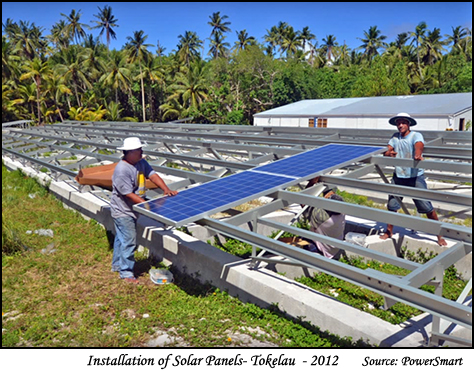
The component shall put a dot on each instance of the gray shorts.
(422, 206)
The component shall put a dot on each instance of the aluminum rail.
(157, 137)
(447, 166)
(376, 281)
(195, 176)
(392, 189)
(428, 134)
(42, 163)
(455, 232)
(221, 163)
(457, 152)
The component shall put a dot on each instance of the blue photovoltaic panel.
(210, 196)
(203, 200)
(306, 163)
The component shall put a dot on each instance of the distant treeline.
(70, 74)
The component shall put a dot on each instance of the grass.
(66, 296)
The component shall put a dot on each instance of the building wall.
(441, 123)
(461, 121)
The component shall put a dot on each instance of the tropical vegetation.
(68, 73)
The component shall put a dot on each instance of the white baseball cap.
(131, 143)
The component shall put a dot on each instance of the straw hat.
(402, 115)
(131, 143)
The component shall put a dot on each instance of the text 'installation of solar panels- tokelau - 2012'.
(218, 195)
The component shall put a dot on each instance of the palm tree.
(154, 74)
(8, 105)
(271, 37)
(172, 109)
(418, 38)
(396, 47)
(27, 96)
(117, 75)
(191, 87)
(218, 26)
(69, 65)
(36, 69)
(372, 42)
(342, 55)
(402, 40)
(75, 29)
(218, 48)
(328, 43)
(306, 36)
(276, 36)
(291, 41)
(10, 61)
(467, 43)
(9, 27)
(188, 47)
(137, 52)
(59, 36)
(56, 89)
(105, 23)
(91, 56)
(433, 46)
(457, 36)
(160, 50)
(243, 40)
(28, 39)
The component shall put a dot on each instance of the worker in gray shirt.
(128, 188)
(326, 223)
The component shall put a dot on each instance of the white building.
(452, 111)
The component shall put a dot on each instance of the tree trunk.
(59, 110)
(143, 94)
(38, 82)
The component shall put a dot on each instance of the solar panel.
(307, 162)
(218, 195)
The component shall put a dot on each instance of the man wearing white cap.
(407, 144)
(128, 188)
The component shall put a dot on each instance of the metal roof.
(420, 105)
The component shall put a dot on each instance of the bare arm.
(419, 146)
(390, 152)
(158, 181)
(134, 198)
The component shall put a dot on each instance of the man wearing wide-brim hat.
(407, 144)
(128, 188)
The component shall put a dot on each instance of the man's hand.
(418, 157)
(419, 146)
(390, 152)
(169, 192)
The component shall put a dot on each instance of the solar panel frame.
(194, 201)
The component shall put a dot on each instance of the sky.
(163, 22)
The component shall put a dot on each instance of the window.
(322, 123)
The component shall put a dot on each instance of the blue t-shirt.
(128, 178)
(405, 149)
